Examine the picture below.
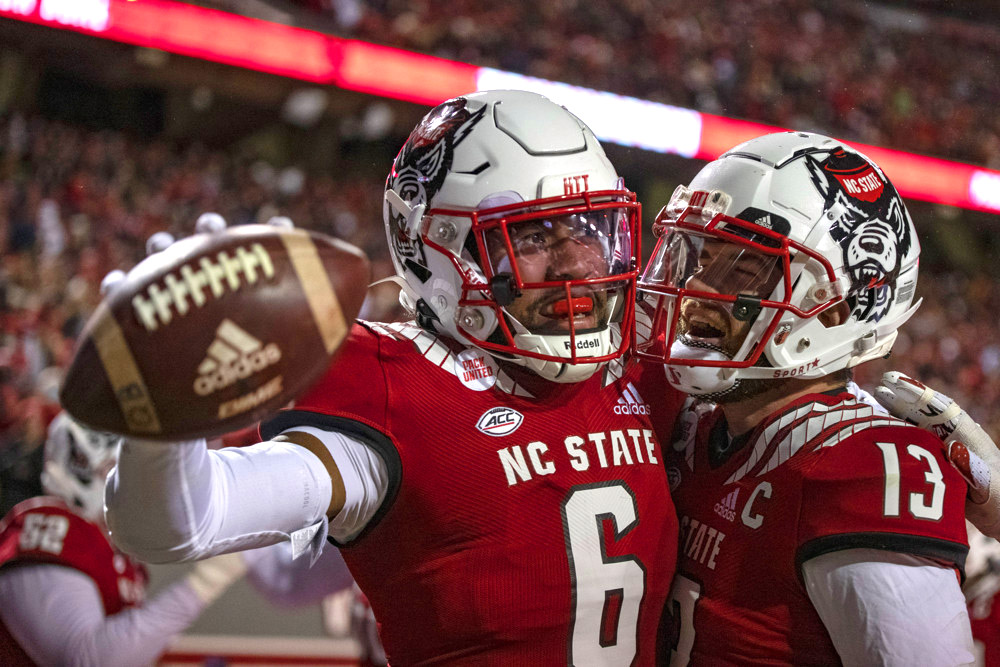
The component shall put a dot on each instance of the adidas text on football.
(233, 355)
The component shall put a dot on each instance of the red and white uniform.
(985, 617)
(518, 529)
(822, 475)
(45, 530)
(982, 569)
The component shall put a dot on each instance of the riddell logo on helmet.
(631, 402)
(584, 344)
(233, 355)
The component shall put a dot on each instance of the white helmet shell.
(489, 161)
(836, 230)
(77, 463)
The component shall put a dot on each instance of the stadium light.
(311, 56)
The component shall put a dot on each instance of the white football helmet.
(513, 233)
(77, 463)
(776, 231)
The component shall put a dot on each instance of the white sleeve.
(889, 608)
(56, 615)
(182, 501)
(366, 481)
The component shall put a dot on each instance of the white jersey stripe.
(437, 353)
(803, 426)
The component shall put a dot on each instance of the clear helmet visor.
(705, 292)
(565, 273)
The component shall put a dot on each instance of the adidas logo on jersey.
(233, 355)
(631, 402)
(726, 508)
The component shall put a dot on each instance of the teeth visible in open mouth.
(704, 330)
(868, 274)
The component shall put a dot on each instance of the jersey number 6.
(607, 590)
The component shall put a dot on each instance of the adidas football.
(215, 332)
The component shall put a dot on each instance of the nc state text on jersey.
(155, 306)
(613, 448)
(700, 542)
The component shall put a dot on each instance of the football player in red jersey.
(491, 470)
(69, 596)
(982, 583)
(815, 528)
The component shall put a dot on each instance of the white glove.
(207, 223)
(970, 448)
(211, 577)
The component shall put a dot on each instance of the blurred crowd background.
(82, 187)
(877, 72)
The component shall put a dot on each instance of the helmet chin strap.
(699, 380)
(598, 342)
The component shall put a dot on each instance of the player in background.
(982, 583)
(814, 527)
(491, 471)
(69, 596)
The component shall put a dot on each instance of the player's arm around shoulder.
(882, 541)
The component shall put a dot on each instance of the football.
(215, 332)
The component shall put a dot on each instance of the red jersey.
(984, 615)
(981, 589)
(47, 530)
(519, 529)
(825, 473)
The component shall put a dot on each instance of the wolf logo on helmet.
(422, 164)
(735, 297)
(870, 224)
(491, 249)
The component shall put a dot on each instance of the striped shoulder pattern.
(810, 426)
(436, 352)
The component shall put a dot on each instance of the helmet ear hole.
(835, 316)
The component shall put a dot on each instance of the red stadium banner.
(395, 73)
